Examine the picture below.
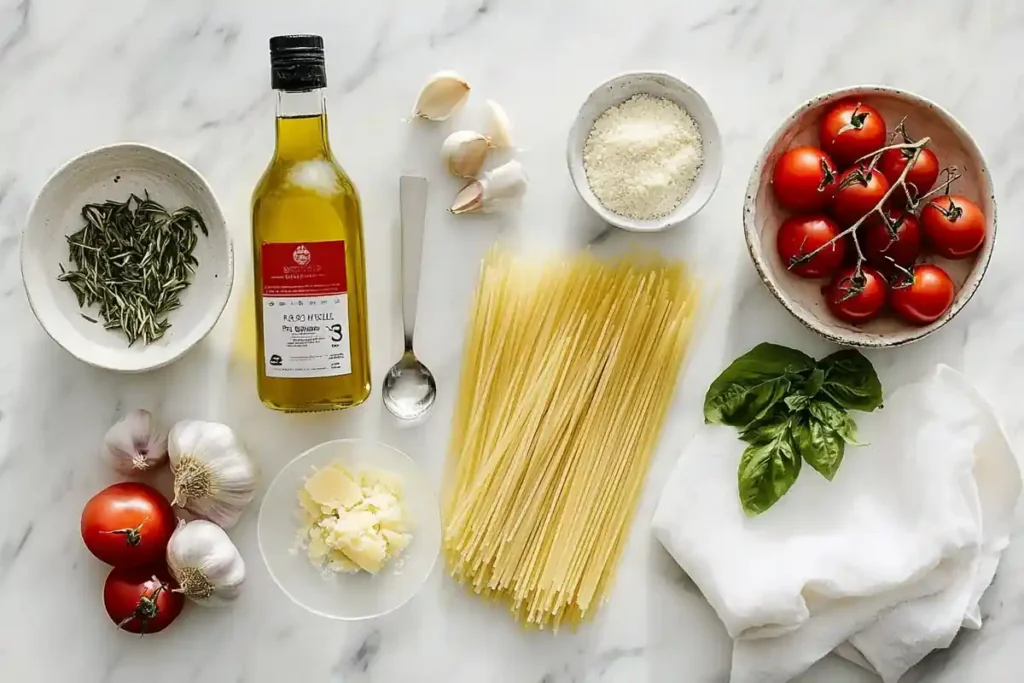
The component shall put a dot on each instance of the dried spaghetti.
(568, 371)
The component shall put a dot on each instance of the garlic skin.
(499, 127)
(135, 444)
(464, 153)
(214, 477)
(205, 563)
(498, 190)
(441, 96)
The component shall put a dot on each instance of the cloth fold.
(883, 564)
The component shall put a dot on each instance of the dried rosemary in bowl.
(133, 259)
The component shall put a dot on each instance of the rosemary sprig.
(133, 259)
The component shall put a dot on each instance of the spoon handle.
(413, 209)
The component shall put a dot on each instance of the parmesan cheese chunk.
(352, 523)
(642, 157)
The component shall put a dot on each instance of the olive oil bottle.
(307, 240)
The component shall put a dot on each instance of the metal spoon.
(409, 388)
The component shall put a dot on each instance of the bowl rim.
(984, 257)
(687, 208)
(263, 554)
(226, 288)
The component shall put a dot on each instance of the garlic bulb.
(442, 95)
(135, 444)
(213, 475)
(496, 191)
(499, 128)
(205, 563)
(464, 152)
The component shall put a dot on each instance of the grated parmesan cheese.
(642, 156)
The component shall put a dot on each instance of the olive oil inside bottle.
(309, 271)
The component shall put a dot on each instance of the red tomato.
(851, 130)
(141, 599)
(953, 225)
(128, 524)
(857, 193)
(922, 174)
(857, 298)
(804, 179)
(900, 240)
(800, 235)
(923, 297)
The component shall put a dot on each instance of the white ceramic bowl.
(762, 215)
(658, 84)
(113, 173)
(358, 596)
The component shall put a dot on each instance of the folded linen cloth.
(883, 564)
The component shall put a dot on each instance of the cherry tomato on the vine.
(858, 192)
(128, 524)
(851, 130)
(142, 599)
(922, 295)
(804, 179)
(922, 175)
(953, 225)
(801, 235)
(898, 239)
(856, 296)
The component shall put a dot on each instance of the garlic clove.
(205, 563)
(464, 153)
(442, 95)
(135, 444)
(469, 199)
(498, 190)
(214, 477)
(499, 127)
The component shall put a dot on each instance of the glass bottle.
(307, 240)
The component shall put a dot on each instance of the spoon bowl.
(409, 388)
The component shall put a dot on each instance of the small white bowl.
(113, 173)
(349, 597)
(657, 84)
(762, 214)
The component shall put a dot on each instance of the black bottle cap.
(297, 63)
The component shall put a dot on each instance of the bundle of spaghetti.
(568, 371)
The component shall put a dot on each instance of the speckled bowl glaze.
(762, 215)
(617, 91)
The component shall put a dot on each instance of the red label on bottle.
(294, 269)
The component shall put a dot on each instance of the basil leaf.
(753, 383)
(814, 383)
(768, 467)
(818, 444)
(797, 402)
(850, 380)
(836, 419)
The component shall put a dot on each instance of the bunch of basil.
(790, 408)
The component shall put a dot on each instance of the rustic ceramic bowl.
(113, 173)
(762, 215)
(658, 84)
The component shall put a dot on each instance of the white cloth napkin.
(883, 564)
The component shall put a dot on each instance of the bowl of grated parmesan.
(645, 151)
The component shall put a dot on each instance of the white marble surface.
(193, 77)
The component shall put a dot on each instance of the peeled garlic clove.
(214, 477)
(499, 128)
(496, 191)
(443, 94)
(205, 563)
(464, 152)
(135, 444)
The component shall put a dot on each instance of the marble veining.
(193, 77)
